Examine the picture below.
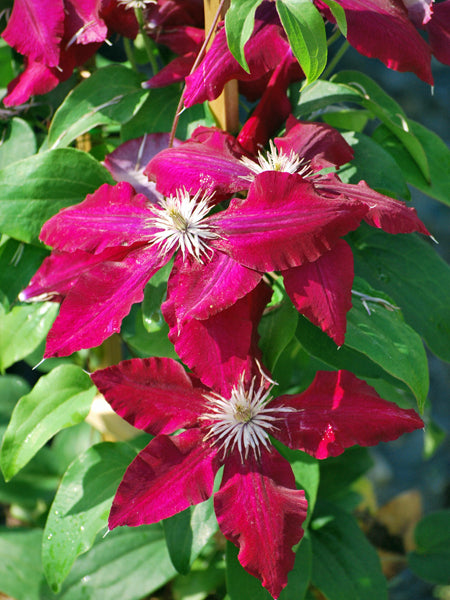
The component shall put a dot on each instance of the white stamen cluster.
(277, 160)
(142, 4)
(243, 420)
(180, 225)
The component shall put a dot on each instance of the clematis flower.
(258, 507)
(119, 239)
(215, 161)
(271, 63)
(55, 36)
(387, 30)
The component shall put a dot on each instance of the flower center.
(142, 4)
(277, 160)
(180, 225)
(244, 420)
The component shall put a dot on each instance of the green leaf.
(34, 189)
(431, 557)
(305, 30)
(437, 153)
(21, 575)
(339, 472)
(187, 533)
(241, 584)
(373, 164)
(407, 268)
(6, 70)
(345, 565)
(12, 388)
(319, 345)
(81, 507)
(339, 14)
(33, 489)
(110, 95)
(374, 98)
(350, 119)
(128, 564)
(321, 94)
(18, 263)
(22, 330)
(141, 341)
(299, 577)
(18, 141)
(277, 328)
(239, 24)
(306, 471)
(58, 400)
(158, 112)
(388, 341)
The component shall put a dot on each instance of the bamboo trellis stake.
(226, 107)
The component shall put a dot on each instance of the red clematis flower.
(110, 245)
(258, 507)
(387, 30)
(215, 161)
(55, 36)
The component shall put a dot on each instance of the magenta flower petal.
(60, 271)
(36, 29)
(127, 162)
(337, 411)
(83, 22)
(94, 308)
(111, 216)
(37, 78)
(314, 140)
(382, 29)
(322, 290)
(260, 510)
(208, 161)
(168, 476)
(283, 223)
(439, 31)
(384, 212)
(199, 291)
(154, 395)
(264, 51)
(271, 111)
(223, 346)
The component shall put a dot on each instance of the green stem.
(148, 42)
(129, 52)
(333, 37)
(336, 58)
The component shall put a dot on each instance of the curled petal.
(102, 296)
(199, 291)
(382, 29)
(218, 349)
(337, 411)
(36, 29)
(111, 216)
(128, 161)
(322, 290)
(208, 161)
(283, 223)
(384, 212)
(314, 140)
(153, 394)
(261, 512)
(168, 476)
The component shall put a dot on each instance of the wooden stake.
(226, 107)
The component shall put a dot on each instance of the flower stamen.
(243, 420)
(277, 160)
(179, 221)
